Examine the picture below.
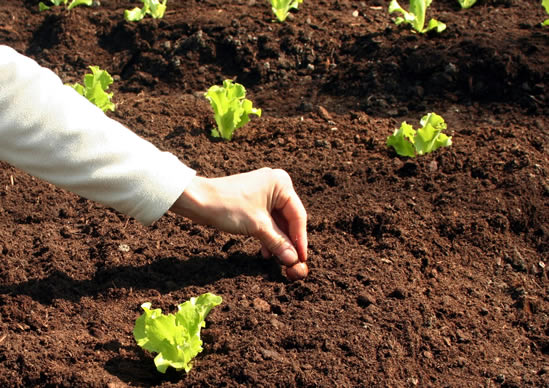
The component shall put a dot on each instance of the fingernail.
(288, 257)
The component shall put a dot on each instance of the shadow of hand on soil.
(164, 274)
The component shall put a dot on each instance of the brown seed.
(297, 271)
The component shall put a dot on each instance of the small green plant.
(467, 3)
(231, 108)
(155, 8)
(94, 88)
(408, 142)
(416, 16)
(545, 4)
(281, 8)
(74, 3)
(175, 337)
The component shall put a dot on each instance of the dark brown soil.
(423, 272)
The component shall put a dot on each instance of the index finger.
(296, 216)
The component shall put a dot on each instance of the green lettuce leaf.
(175, 337)
(408, 142)
(281, 8)
(402, 140)
(76, 3)
(94, 88)
(416, 16)
(466, 3)
(155, 8)
(430, 137)
(73, 3)
(231, 108)
(134, 15)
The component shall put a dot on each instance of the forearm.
(50, 131)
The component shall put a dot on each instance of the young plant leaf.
(94, 88)
(408, 142)
(231, 108)
(74, 3)
(155, 8)
(281, 8)
(430, 137)
(545, 4)
(416, 16)
(175, 337)
(466, 3)
(402, 140)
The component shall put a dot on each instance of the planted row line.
(415, 16)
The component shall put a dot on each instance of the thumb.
(277, 243)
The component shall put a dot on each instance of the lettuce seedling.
(73, 3)
(155, 8)
(416, 16)
(231, 108)
(408, 142)
(545, 4)
(467, 3)
(281, 8)
(94, 88)
(175, 337)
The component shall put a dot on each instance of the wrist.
(195, 201)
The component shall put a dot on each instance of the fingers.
(291, 217)
(279, 245)
(275, 242)
(296, 217)
(265, 252)
(286, 236)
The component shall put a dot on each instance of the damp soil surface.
(427, 271)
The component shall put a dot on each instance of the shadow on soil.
(141, 371)
(491, 71)
(164, 275)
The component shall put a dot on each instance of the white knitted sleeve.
(50, 131)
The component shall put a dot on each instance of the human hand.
(260, 203)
